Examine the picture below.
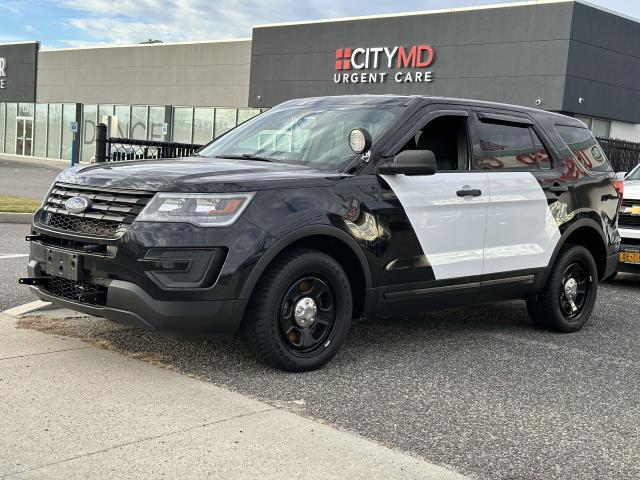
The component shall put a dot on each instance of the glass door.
(24, 135)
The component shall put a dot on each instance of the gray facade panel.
(604, 65)
(19, 73)
(195, 74)
(515, 54)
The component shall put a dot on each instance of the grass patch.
(13, 204)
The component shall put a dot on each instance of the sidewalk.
(69, 410)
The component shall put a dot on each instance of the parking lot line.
(4, 256)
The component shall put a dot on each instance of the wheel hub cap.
(571, 289)
(305, 312)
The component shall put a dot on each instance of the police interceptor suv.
(324, 210)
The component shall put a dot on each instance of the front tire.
(300, 312)
(567, 300)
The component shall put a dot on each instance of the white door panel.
(450, 228)
(521, 231)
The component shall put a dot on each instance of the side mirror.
(411, 162)
(360, 140)
(621, 175)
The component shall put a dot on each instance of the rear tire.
(300, 312)
(567, 300)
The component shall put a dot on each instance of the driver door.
(436, 222)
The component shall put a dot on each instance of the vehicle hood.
(197, 174)
(632, 190)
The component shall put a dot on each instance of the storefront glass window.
(245, 114)
(225, 120)
(55, 130)
(10, 135)
(202, 125)
(40, 130)
(139, 116)
(88, 133)
(600, 128)
(2, 124)
(156, 122)
(123, 112)
(68, 117)
(182, 123)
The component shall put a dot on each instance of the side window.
(542, 155)
(586, 151)
(447, 137)
(507, 146)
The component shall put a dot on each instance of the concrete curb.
(37, 306)
(9, 217)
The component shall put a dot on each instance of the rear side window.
(585, 148)
(507, 146)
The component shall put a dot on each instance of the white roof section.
(522, 3)
(146, 45)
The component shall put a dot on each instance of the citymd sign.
(402, 64)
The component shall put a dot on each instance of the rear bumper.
(129, 304)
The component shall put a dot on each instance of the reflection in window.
(202, 125)
(68, 117)
(40, 130)
(182, 123)
(55, 130)
(88, 134)
(585, 149)
(225, 120)
(123, 112)
(139, 122)
(10, 135)
(245, 114)
(156, 122)
(506, 146)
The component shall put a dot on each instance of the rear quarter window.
(585, 148)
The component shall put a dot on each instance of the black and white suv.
(630, 224)
(323, 210)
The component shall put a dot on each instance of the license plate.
(60, 263)
(630, 257)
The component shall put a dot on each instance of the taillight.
(619, 186)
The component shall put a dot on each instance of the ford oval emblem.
(77, 204)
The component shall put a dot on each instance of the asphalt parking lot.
(477, 390)
(27, 179)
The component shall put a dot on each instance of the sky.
(80, 23)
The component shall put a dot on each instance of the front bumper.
(129, 304)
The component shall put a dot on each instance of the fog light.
(183, 268)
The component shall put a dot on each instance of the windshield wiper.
(248, 156)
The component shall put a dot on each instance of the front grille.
(108, 216)
(627, 220)
(83, 292)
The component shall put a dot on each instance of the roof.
(403, 100)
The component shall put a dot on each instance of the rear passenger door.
(521, 232)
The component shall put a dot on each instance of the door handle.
(557, 189)
(469, 192)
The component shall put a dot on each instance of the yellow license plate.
(629, 257)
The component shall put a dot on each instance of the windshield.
(315, 136)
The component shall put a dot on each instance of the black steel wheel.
(300, 312)
(566, 301)
(307, 315)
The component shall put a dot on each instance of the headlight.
(200, 209)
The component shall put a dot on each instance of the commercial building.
(560, 55)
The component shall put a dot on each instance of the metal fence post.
(101, 143)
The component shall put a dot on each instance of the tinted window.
(586, 151)
(542, 155)
(506, 146)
